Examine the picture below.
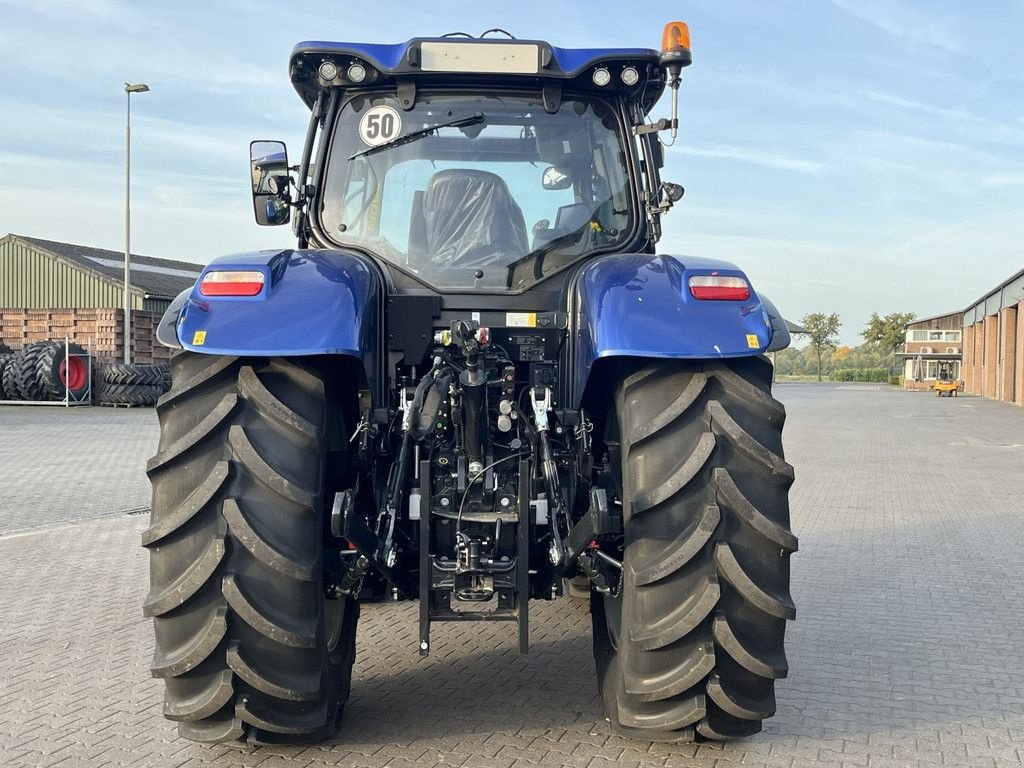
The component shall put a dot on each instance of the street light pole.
(129, 89)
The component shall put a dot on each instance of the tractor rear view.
(473, 379)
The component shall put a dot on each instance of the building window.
(926, 335)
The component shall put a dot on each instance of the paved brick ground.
(63, 464)
(906, 651)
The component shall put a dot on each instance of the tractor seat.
(471, 220)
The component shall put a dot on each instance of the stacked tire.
(42, 371)
(57, 373)
(7, 388)
(134, 384)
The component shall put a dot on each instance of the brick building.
(994, 343)
(932, 342)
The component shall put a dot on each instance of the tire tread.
(235, 542)
(707, 542)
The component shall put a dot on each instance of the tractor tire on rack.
(25, 375)
(145, 374)
(8, 390)
(248, 644)
(692, 645)
(128, 394)
(57, 376)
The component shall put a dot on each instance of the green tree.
(888, 332)
(866, 356)
(823, 332)
(788, 361)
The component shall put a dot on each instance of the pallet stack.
(104, 328)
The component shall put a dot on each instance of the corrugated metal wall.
(30, 280)
(156, 305)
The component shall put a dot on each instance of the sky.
(853, 156)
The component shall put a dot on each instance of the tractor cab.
(485, 164)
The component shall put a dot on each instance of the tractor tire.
(8, 389)
(25, 371)
(248, 644)
(57, 376)
(139, 374)
(128, 394)
(692, 645)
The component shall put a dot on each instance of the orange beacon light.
(675, 42)
(675, 54)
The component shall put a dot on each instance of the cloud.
(904, 23)
(88, 180)
(974, 127)
(905, 171)
(755, 156)
(137, 46)
(907, 145)
(100, 133)
(109, 13)
(1001, 180)
(898, 101)
(994, 234)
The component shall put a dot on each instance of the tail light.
(231, 283)
(719, 288)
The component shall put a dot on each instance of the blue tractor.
(473, 381)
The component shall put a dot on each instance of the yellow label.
(199, 338)
(752, 341)
(521, 319)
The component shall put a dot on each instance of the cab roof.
(467, 60)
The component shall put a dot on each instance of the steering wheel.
(538, 255)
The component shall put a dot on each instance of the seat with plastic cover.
(471, 220)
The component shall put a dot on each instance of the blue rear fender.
(639, 305)
(313, 302)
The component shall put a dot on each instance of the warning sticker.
(198, 338)
(521, 319)
(752, 341)
(379, 125)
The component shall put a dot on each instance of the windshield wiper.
(473, 119)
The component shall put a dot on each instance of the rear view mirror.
(556, 178)
(271, 197)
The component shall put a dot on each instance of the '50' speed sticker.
(379, 125)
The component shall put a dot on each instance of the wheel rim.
(72, 373)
